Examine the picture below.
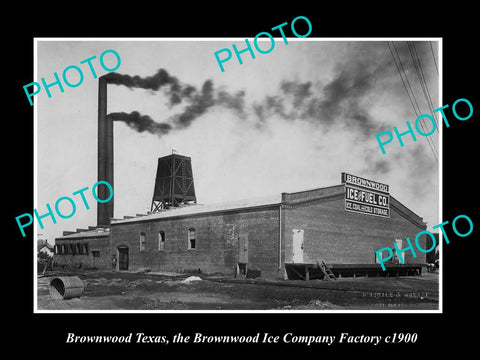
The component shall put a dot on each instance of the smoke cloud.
(343, 98)
(141, 123)
(197, 102)
(161, 80)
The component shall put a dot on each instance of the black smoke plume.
(161, 80)
(340, 100)
(141, 123)
(197, 102)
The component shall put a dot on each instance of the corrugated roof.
(200, 209)
(89, 233)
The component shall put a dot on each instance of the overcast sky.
(286, 121)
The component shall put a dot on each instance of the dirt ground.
(154, 291)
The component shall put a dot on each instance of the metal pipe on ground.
(66, 287)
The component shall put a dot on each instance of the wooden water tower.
(173, 183)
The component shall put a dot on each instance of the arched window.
(192, 241)
(161, 240)
(143, 241)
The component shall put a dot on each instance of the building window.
(192, 244)
(86, 248)
(80, 249)
(95, 253)
(58, 249)
(143, 241)
(161, 240)
(73, 248)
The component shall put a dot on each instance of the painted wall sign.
(366, 196)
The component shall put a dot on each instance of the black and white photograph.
(199, 180)
(274, 181)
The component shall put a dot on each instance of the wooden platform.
(309, 271)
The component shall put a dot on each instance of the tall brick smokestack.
(105, 155)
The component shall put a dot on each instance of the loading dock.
(310, 271)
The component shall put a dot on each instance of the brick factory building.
(276, 237)
(272, 236)
(83, 249)
(289, 235)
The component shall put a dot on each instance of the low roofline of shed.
(86, 234)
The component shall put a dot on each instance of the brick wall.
(330, 234)
(100, 244)
(334, 235)
(217, 246)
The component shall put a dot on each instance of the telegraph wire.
(429, 140)
(401, 77)
(423, 84)
(407, 86)
(433, 55)
(421, 78)
(406, 77)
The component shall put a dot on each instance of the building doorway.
(122, 257)
(242, 255)
(297, 246)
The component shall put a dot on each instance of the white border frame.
(340, 39)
